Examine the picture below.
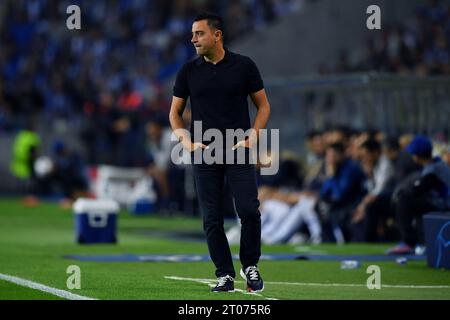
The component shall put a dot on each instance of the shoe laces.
(253, 273)
(223, 280)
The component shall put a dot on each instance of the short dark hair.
(346, 131)
(338, 147)
(391, 143)
(371, 145)
(313, 133)
(214, 20)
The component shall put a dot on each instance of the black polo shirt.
(219, 92)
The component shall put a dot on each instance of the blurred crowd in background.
(108, 83)
(125, 54)
(355, 186)
(419, 45)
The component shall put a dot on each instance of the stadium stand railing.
(394, 104)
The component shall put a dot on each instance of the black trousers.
(376, 213)
(210, 183)
(410, 207)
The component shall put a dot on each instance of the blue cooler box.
(143, 206)
(437, 238)
(95, 221)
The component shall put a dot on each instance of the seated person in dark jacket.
(427, 192)
(403, 162)
(67, 175)
(371, 215)
(340, 194)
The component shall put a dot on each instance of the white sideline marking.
(210, 282)
(312, 284)
(38, 286)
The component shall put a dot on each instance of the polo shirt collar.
(227, 58)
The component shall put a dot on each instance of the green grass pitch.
(33, 242)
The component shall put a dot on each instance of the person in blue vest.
(340, 194)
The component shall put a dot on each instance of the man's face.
(334, 136)
(154, 130)
(369, 158)
(316, 145)
(392, 154)
(203, 37)
(333, 157)
(446, 157)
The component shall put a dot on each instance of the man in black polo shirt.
(218, 83)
